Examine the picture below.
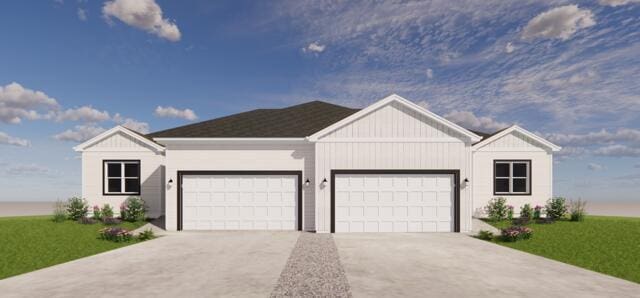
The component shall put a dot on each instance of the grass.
(35, 242)
(609, 245)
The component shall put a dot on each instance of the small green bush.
(556, 207)
(526, 211)
(577, 210)
(59, 212)
(133, 209)
(146, 235)
(485, 235)
(537, 212)
(77, 208)
(97, 215)
(497, 209)
(510, 212)
(107, 210)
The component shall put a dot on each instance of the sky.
(566, 70)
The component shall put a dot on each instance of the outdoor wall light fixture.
(307, 182)
(466, 180)
(324, 181)
(170, 181)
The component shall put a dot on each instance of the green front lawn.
(610, 245)
(34, 242)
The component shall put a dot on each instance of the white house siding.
(119, 147)
(512, 146)
(392, 137)
(241, 157)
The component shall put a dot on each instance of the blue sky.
(567, 70)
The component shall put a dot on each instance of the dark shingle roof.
(291, 122)
(485, 135)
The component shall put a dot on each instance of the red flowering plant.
(115, 234)
(515, 233)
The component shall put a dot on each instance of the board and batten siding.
(241, 157)
(123, 147)
(391, 137)
(513, 146)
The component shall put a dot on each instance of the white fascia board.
(118, 128)
(227, 140)
(553, 147)
(394, 97)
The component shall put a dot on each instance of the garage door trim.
(220, 173)
(456, 191)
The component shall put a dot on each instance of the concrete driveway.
(185, 264)
(456, 265)
(260, 264)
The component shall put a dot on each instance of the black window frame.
(105, 184)
(511, 162)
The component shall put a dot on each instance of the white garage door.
(239, 202)
(394, 203)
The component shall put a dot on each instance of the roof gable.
(407, 107)
(292, 122)
(121, 138)
(520, 138)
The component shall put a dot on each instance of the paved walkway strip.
(313, 269)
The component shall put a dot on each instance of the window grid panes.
(512, 177)
(122, 177)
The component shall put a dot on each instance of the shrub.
(537, 212)
(497, 209)
(146, 235)
(87, 220)
(509, 212)
(111, 221)
(97, 215)
(526, 212)
(107, 210)
(59, 212)
(556, 208)
(77, 208)
(485, 235)
(576, 210)
(515, 233)
(133, 209)
(115, 234)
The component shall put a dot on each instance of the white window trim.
(511, 177)
(105, 183)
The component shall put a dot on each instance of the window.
(512, 177)
(121, 177)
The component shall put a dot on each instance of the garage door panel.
(239, 202)
(393, 203)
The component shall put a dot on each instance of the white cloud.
(6, 139)
(314, 47)
(82, 14)
(429, 73)
(615, 3)
(509, 48)
(560, 22)
(79, 133)
(85, 113)
(171, 112)
(17, 103)
(618, 150)
(142, 14)
(595, 167)
(141, 127)
(599, 137)
(29, 170)
(469, 120)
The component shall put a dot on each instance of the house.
(390, 167)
